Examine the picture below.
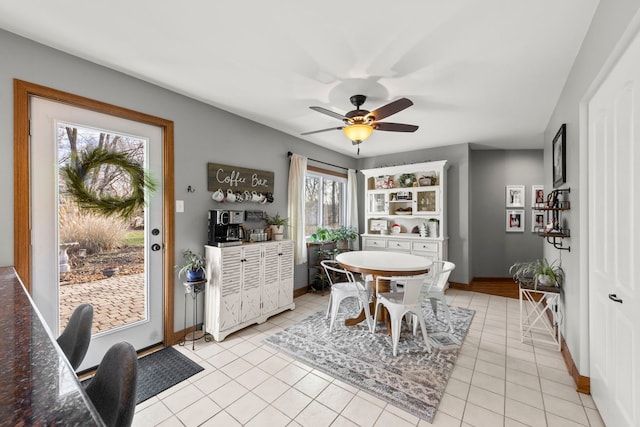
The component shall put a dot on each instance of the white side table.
(194, 288)
(535, 307)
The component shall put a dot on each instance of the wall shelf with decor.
(555, 230)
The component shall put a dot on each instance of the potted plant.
(539, 272)
(193, 266)
(277, 225)
(321, 235)
(342, 235)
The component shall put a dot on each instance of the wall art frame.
(514, 196)
(537, 221)
(538, 198)
(515, 221)
(559, 152)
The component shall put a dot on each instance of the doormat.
(161, 370)
(413, 381)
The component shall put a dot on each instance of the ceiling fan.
(358, 124)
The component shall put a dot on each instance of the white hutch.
(406, 209)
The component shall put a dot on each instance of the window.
(325, 200)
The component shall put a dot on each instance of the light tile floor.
(497, 381)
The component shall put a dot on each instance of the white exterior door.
(47, 118)
(614, 242)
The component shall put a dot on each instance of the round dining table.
(385, 264)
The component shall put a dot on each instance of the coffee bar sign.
(238, 179)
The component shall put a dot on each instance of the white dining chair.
(434, 288)
(341, 290)
(399, 304)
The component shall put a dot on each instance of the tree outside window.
(325, 201)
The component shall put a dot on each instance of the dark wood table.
(384, 264)
(38, 387)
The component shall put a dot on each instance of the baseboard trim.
(583, 384)
(500, 286)
(300, 291)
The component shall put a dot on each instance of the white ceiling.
(486, 72)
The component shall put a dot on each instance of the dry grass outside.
(93, 232)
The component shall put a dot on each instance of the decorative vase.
(544, 280)
(277, 231)
(342, 245)
(195, 275)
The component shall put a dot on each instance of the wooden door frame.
(22, 90)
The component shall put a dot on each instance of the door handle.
(156, 247)
(614, 298)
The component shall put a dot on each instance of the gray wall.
(494, 249)
(457, 197)
(202, 134)
(609, 23)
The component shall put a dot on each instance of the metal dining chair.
(112, 390)
(76, 337)
(435, 286)
(342, 290)
(399, 304)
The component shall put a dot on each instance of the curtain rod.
(289, 154)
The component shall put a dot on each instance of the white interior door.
(614, 204)
(46, 118)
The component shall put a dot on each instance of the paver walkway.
(116, 301)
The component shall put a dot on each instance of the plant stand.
(539, 319)
(194, 288)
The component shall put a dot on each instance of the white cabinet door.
(378, 202)
(285, 255)
(271, 284)
(251, 285)
(230, 302)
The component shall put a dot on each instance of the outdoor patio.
(116, 301)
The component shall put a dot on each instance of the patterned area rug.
(414, 380)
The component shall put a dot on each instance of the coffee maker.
(224, 228)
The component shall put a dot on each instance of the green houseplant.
(193, 267)
(539, 272)
(277, 224)
(321, 235)
(342, 235)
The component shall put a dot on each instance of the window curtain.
(297, 176)
(352, 205)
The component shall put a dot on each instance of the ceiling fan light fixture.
(358, 132)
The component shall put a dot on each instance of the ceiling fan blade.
(328, 112)
(391, 108)
(394, 127)
(321, 130)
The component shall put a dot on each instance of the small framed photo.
(515, 221)
(559, 151)
(514, 196)
(537, 221)
(537, 196)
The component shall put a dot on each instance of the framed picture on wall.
(537, 196)
(537, 221)
(514, 196)
(559, 151)
(515, 221)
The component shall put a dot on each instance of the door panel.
(46, 116)
(614, 200)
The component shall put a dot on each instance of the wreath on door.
(75, 174)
